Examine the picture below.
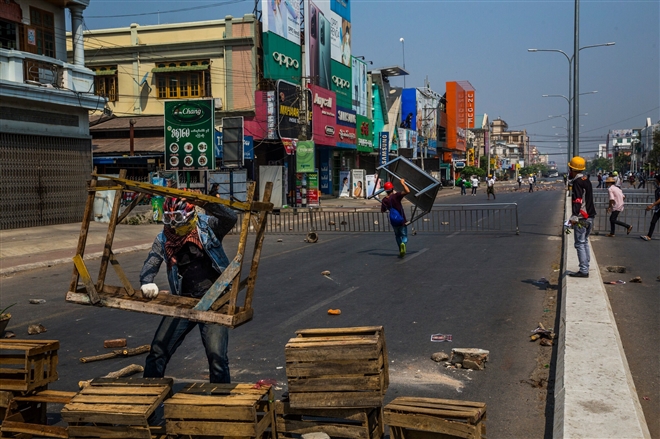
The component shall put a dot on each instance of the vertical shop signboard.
(365, 137)
(305, 156)
(384, 147)
(189, 135)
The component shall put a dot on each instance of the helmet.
(177, 211)
(615, 173)
(389, 186)
(577, 163)
(489, 175)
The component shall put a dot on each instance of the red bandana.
(175, 242)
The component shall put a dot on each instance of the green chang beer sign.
(305, 156)
(189, 135)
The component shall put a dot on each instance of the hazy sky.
(486, 42)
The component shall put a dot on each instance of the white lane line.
(312, 309)
(453, 234)
(414, 255)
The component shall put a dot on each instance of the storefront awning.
(179, 69)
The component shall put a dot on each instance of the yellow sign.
(470, 157)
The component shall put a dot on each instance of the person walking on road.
(617, 179)
(191, 246)
(600, 181)
(461, 183)
(642, 181)
(392, 202)
(615, 207)
(519, 182)
(655, 206)
(490, 187)
(583, 213)
(475, 183)
(530, 180)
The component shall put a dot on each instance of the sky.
(485, 42)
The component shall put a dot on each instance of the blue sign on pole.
(218, 145)
(248, 148)
(384, 147)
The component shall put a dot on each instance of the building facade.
(45, 100)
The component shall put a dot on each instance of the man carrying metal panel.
(392, 203)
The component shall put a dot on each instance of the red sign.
(469, 98)
(289, 145)
(324, 113)
(10, 10)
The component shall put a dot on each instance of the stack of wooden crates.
(26, 369)
(337, 379)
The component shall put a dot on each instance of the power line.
(171, 11)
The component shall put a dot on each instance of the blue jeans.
(170, 334)
(582, 243)
(401, 235)
(463, 191)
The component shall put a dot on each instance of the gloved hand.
(149, 291)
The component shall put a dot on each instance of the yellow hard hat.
(577, 163)
(489, 175)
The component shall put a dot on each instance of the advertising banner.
(328, 37)
(341, 84)
(282, 58)
(346, 123)
(358, 183)
(189, 135)
(384, 147)
(469, 108)
(371, 184)
(344, 184)
(313, 189)
(365, 135)
(324, 110)
(233, 134)
(305, 156)
(248, 146)
(427, 113)
(282, 17)
(325, 175)
(409, 108)
(288, 110)
(359, 89)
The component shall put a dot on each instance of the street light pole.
(576, 82)
(568, 101)
(403, 49)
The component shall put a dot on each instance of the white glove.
(149, 291)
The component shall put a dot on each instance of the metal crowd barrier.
(443, 218)
(634, 213)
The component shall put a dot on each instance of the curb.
(88, 257)
(595, 396)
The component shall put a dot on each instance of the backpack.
(396, 219)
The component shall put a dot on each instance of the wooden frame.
(219, 305)
(26, 365)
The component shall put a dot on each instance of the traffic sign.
(459, 165)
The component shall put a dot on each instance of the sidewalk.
(37, 247)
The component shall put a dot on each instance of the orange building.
(460, 116)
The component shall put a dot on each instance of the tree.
(622, 162)
(468, 171)
(599, 164)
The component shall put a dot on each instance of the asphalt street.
(479, 287)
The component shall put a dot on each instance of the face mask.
(184, 229)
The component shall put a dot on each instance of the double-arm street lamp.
(573, 90)
(568, 123)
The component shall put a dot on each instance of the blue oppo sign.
(384, 146)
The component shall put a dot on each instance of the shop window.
(184, 84)
(8, 38)
(106, 83)
(40, 33)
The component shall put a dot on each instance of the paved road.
(476, 287)
(637, 312)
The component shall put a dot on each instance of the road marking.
(414, 255)
(314, 308)
(301, 247)
(453, 234)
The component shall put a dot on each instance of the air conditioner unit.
(217, 103)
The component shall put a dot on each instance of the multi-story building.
(45, 147)
(512, 147)
(646, 144)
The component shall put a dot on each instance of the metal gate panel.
(43, 179)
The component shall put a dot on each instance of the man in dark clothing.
(191, 246)
(393, 201)
(655, 207)
(583, 213)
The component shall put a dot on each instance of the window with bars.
(40, 36)
(184, 84)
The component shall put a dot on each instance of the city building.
(45, 100)
(646, 144)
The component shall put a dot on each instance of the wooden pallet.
(337, 367)
(115, 407)
(219, 305)
(26, 365)
(353, 423)
(26, 415)
(432, 418)
(236, 410)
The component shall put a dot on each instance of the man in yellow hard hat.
(583, 213)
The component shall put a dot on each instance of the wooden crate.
(115, 407)
(26, 415)
(432, 418)
(353, 423)
(337, 367)
(221, 410)
(26, 365)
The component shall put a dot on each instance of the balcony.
(25, 75)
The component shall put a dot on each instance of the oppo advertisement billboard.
(328, 39)
(282, 58)
(189, 135)
(282, 17)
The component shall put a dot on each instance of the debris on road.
(127, 352)
(316, 435)
(325, 273)
(616, 269)
(37, 301)
(9, 334)
(279, 240)
(545, 342)
(115, 343)
(542, 281)
(123, 372)
(439, 338)
(636, 280)
(334, 312)
(469, 358)
(445, 223)
(439, 356)
(36, 329)
(615, 282)
(312, 237)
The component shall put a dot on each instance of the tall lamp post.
(574, 149)
(568, 122)
(403, 49)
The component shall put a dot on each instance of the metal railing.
(634, 214)
(443, 218)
